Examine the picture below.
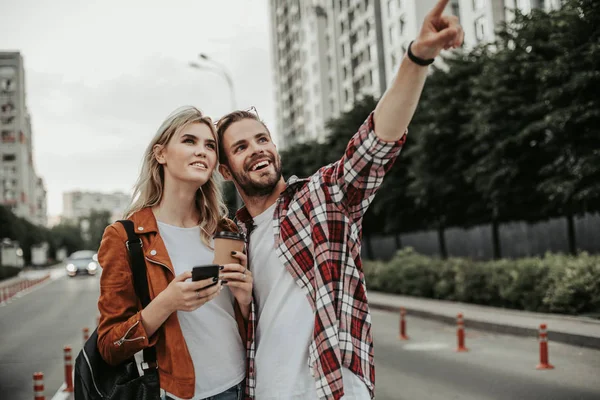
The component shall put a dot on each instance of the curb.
(561, 337)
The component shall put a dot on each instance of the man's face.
(252, 158)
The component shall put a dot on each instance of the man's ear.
(158, 153)
(224, 170)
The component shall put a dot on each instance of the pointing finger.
(439, 8)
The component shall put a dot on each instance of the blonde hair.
(148, 190)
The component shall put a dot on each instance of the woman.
(197, 327)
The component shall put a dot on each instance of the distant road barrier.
(460, 336)
(11, 289)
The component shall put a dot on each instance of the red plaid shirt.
(317, 228)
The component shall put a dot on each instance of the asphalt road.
(34, 329)
(497, 367)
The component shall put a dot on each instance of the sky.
(101, 76)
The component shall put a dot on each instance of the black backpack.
(94, 378)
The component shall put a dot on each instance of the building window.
(401, 26)
(7, 85)
(478, 4)
(392, 33)
(390, 6)
(480, 28)
(456, 10)
(524, 6)
(9, 157)
(399, 4)
(346, 95)
(8, 137)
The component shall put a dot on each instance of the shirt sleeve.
(353, 180)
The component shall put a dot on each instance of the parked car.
(82, 262)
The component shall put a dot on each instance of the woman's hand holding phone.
(189, 296)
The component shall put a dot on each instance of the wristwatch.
(417, 60)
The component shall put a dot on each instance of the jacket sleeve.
(121, 333)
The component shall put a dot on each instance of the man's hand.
(439, 32)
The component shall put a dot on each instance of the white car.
(82, 262)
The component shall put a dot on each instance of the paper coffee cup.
(225, 242)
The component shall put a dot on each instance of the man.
(313, 337)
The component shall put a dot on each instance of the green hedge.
(553, 283)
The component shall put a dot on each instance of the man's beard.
(258, 189)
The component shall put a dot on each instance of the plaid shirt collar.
(243, 216)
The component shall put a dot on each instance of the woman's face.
(190, 156)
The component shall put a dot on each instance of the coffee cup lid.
(229, 235)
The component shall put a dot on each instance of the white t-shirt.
(285, 326)
(211, 331)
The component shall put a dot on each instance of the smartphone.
(202, 272)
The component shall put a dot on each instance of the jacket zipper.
(124, 338)
(161, 264)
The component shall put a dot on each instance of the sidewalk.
(579, 331)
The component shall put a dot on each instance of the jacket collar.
(144, 223)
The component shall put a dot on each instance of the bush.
(553, 283)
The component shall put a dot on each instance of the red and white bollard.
(544, 363)
(68, 370)
(38, 386)
(403, 324)
(86, 334)
(460, 333)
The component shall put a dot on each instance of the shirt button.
(140, 228)
(153, 252)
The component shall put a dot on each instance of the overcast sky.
(102, 75)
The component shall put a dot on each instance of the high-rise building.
(480, 18)
(22, 191)
(79, 204)
(328, 54)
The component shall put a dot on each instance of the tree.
(508, 154)
(67, 235)
(443, 152)
(569, 94)
(97, 221)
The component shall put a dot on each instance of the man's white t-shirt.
(285, 326)
(211, 331)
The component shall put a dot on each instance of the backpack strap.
(140, 280)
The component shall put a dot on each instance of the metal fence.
(517, 239)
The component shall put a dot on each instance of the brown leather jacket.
(120, 332)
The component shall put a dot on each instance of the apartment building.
(328, 54)
(78, 204)
(21, 190)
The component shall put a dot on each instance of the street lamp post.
(222, 70)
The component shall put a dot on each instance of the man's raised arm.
(397, 106)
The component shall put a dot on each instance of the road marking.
(426, 346)
(61, 394)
